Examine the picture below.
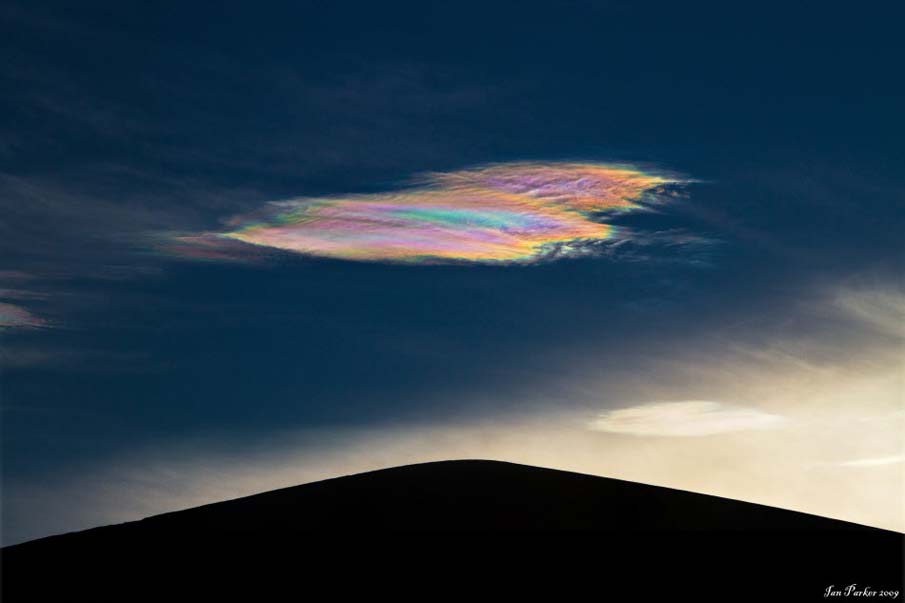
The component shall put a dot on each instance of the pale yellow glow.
(834, 456)
(793, 429)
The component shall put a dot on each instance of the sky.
(247, 246)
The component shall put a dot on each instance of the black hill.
(533, 512)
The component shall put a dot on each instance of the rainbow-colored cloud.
(502, 213)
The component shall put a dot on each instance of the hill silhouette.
(539, 517)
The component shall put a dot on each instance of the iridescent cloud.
(502, 213)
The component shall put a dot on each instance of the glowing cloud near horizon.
(502, 213)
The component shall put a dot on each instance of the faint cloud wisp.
(12, 316)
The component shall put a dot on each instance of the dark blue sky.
(121, 121)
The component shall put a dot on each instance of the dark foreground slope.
(449, 523)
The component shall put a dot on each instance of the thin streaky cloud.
(883, 309)
(874, 462)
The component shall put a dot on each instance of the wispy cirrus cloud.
(881, 308)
